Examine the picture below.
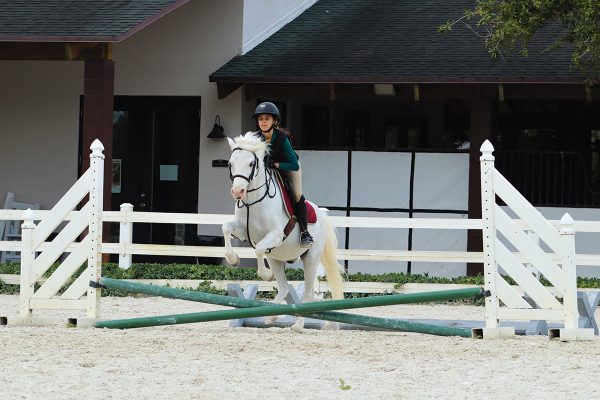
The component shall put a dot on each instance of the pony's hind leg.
(310, 261)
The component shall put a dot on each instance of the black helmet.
(267, 107)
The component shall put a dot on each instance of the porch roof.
(390, 41)
(78, 21)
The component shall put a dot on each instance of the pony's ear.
(231, 143)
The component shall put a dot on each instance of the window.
(315, 126)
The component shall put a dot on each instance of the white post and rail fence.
(543, 248)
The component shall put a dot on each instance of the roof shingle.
(391, 41)
(72, 20)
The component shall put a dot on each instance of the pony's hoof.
(232, 259)
(266, 275)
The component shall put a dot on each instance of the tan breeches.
(295, 179)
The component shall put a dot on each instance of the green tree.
(511, 24)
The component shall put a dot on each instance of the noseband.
(253, 174)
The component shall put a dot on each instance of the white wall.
(262, 18)
(39, 129)
(382, 180)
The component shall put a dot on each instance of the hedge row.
(221, 272)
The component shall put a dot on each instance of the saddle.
(286, 195)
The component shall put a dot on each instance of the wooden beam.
(32, 51)
(55, 51)
(588, 93)
(225, 89)
(416, 94)
(430, 91)
(88, 51)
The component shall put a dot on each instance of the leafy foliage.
(343, 385)
(510, 24)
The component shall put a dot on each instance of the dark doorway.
(155, 165)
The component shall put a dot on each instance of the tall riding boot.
(306, 240)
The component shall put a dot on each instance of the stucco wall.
(39, 129)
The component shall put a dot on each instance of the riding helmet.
(266, 107)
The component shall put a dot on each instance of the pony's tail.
(333, 270)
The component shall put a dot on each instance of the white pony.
(260, 218)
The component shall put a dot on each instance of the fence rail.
(128, 248)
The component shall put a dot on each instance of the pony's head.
(247, 154)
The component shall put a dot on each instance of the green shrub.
(221, 272)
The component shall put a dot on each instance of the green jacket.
(282, 151)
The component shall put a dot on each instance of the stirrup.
(306, 240)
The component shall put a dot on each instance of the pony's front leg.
(232, 228)
(271, 240)
(278, 268)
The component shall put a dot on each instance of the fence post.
(489, 233)
(490, 268)
(569, 289)
(125, 235)
(27, 257)
(95, 227)
(571, 331)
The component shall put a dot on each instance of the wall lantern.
(217, 130)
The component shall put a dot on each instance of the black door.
(155, 165)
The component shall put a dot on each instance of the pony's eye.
(229, 164)
(252, 164)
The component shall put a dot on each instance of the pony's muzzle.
(238, 193)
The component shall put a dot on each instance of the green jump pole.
(318, 310)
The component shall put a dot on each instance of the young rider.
(285, 160)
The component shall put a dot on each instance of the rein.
(253, 174)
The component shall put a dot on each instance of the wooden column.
(482, 128)
(98, 93)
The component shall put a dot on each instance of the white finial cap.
(566, 225)
(486, 151)
(97, 149)
(28, 217)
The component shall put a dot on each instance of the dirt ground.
(214, 361)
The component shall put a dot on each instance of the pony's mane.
(251, 142)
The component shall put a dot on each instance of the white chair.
(11, 230)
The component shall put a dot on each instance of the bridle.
(253, 174)
(254, 168)
(269, 181)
